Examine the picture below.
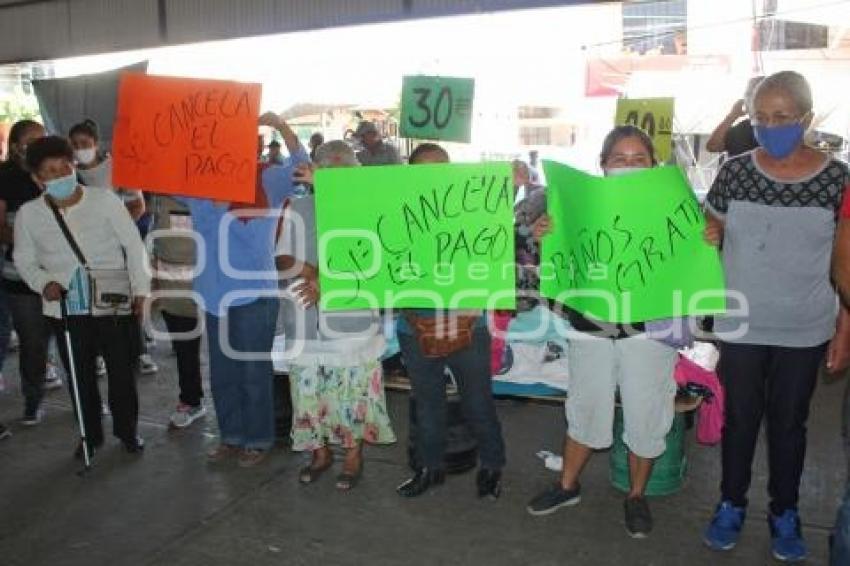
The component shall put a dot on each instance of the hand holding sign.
(307, 291)
(188, 137)
(437, 108)
(541, 227)
(713, 232)
(303, 173)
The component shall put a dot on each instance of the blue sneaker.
(725, 527)
(788, 544)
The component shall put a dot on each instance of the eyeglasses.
(777, 119)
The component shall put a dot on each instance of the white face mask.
(99, 176)
(85, 156)
(618, 171)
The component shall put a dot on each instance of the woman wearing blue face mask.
(775, 209)
(46, 232)
(603, 358)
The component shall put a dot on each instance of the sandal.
(309, 474)
(346, 481)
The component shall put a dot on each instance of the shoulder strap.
(68, 236)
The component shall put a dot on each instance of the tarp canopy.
(68, 101)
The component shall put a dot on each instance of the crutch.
(72, 373)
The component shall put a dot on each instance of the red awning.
(608, 76)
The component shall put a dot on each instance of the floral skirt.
(338, 405)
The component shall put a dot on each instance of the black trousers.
(188, 353)
(776, 383)
(33, 333)
(112, 336)
(471, 369)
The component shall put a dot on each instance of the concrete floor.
(170, 507)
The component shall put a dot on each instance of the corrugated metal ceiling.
(32, 30)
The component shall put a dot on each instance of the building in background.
(703, 53)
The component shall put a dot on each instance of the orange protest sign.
(187, 137)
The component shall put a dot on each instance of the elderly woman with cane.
(79, 246)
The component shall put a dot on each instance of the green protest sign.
(416, 236)
(628, 248)
(437, 108)
(652, 115)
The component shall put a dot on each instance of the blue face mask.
(780, 141)
(63, 187)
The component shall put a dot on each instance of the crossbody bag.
(110, 291)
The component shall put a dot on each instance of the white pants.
(643, 371)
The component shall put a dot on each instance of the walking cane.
(72, 372)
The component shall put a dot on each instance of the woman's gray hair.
(793, 84)
(335, 153)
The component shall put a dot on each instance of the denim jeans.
(471, 369)
(242, 389)
(774, 384)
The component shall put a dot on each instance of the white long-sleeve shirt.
(103, 230)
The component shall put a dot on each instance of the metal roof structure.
(34, 30)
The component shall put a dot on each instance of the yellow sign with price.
(652, 115)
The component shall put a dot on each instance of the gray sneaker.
(100, 366)
(4, 432)
(184, 415)
(638, 517)
(553, 499)
(32, 417)
(52, 378)
(146, 365)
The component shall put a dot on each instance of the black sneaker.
(489, 483)
(134, 445)
(553, 499)
(638, 517)
(422, 481)
(4, 432)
